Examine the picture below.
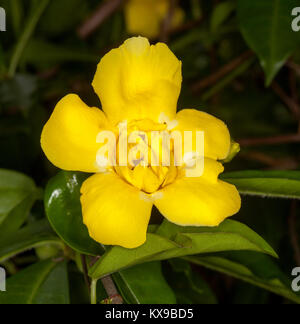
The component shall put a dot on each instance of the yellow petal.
(202, 201)
(217, 141)
(69, 139)
(138, 81)
(145, 17)
(114, 211)
(141, 177)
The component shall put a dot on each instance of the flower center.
(148, 161)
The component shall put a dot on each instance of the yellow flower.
(145, 17)
(139, 86)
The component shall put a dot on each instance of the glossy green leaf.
(266, 27)
(144, 284)
(278, 184)
(189, 287)
(32, 236)
(17, 196)
(229, 236)
(118, 258)
(14, 188)
(254, 268)
(43, 283)
(63, 209)
(172, 241)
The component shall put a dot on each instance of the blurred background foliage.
(241, 63)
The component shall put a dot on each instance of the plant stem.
(104, 11)
(215, 77)
(293, 231)
(227, 80)
(273, 140)
(28, 31)
(272, 162)
(94, 292)
(287, 100)
(17, 15)
(294, 92)
(166, 25)
(85, 271)
(292, 65)
(111, 290)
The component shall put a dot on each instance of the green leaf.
(229, 236)
(17, 196)
(17, 13)
(118, 258)
(221, 12)
(188, 285)
(32, 236)
(79, 292)
(172, 241)
(144, 284)
(41, 52)
(254, 268)
(43, 283)
(27, 33)
(266, 27)
(277, 184)
(63, 209)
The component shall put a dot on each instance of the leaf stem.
(227, 80)
(17, 15)
(291, 104)
(166, 25)
(85, 271)
(292, 223)
(222, 72)
(111, 290)
(94, 292)
(27, 33)
(104, 11)
(272, 140)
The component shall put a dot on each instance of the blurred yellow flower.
(139, 86)
(145, 17)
